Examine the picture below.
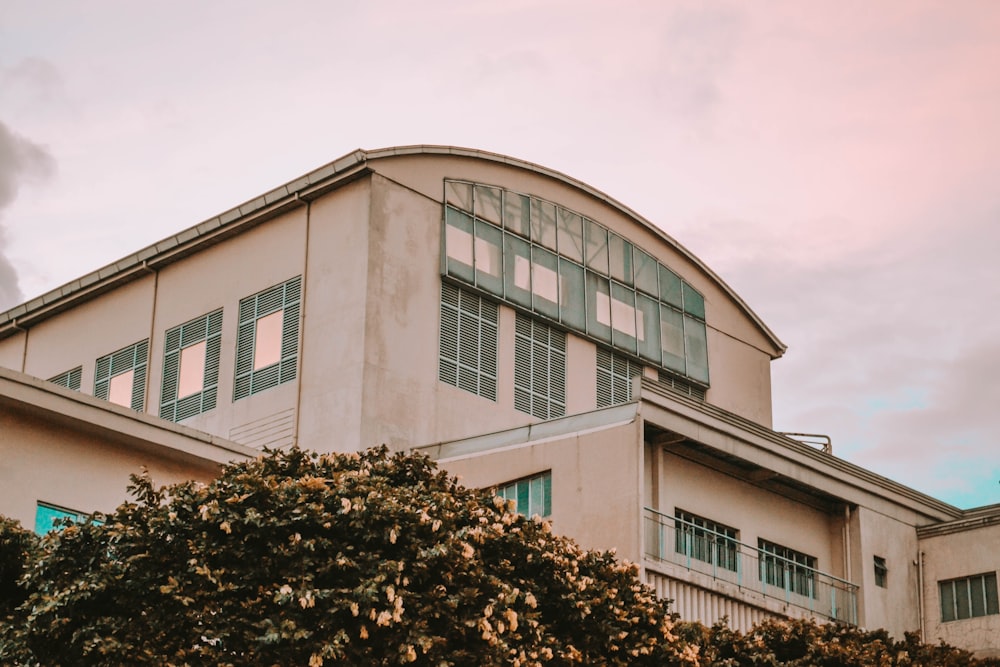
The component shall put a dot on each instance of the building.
(521, 327)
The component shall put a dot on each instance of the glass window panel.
(523, 497)
(572, 307)
(458, 244)
(596, 246)
(623, 317)
(517, 270)
(978, 596)
(672, 339)
(694, 303)
(648, 317)
(489, 258)
(598, 307)
(962, 598)
(46, 517)
(992, 607)
(267, 340)
(120, 389)
(547, 495)
(670, 287)
(192, 372)
(645, 272)
(947, 591)
(570, 235)
(537, 497)
(458, 194)
(545, 282)
(543, 223)
(488, 204)
(517, 213)
(620, 251)
(696, 349)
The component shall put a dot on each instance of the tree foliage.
(805, 643)
(306, 559)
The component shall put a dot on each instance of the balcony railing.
(721, 557)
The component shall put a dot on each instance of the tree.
(805, 643)
(307, 559)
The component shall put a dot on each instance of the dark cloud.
(20, 161)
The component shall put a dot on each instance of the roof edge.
(297, 192)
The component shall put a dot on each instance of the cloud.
(20, 161)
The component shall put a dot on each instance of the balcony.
(723, 558)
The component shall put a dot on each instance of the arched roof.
(293, 194)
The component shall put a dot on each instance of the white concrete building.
(521, 327)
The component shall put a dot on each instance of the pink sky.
(836, 162)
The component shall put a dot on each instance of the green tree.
(306, 559)
(806, 643)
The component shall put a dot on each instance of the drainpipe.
(920, 592)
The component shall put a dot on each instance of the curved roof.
(291, 195)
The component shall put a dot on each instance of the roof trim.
(291, 195)
(19, 391)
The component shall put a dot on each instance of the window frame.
(787, 568)
(468, 341)
(523, 487)
(135, 358)
(706, 540)
(954, 611)
(539, 368)
(70, 379)
(614, 377)
(881, 572)
(205, 329)
(285, 297)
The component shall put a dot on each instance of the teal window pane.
(458, 243)
(596, 246)
(646, 270)
(487, 204)
(46, 517)
(672, 339)
(547, 511)
(696, 349)
(694, 303)
(458, 194)
(523, 497)
(623, 317)
(517, 214)
(992, 606)
(598, 307)
(517, 270)
(570, 235)
(489, 257)
(545, 282)
(647, 317)
(572, 300)
(620, 252)
(543, 223)
(670, 287)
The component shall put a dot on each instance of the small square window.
(120, 389)
(267, 340)
(881, 572)
(192, 373)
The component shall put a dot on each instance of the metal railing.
(723, 558)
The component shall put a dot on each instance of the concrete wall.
(79, 467)
(595, 483)
(953, 555)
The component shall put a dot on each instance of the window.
(614, 378)
(69, 379)
(120, 377)
(881, 572)
(539, 369)
(969, 597)
(46, 517)
(787, 568)
(191, 367)
(531, 495)
(705, 540)
(267, 344)
(468, 344)
(574, 272)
